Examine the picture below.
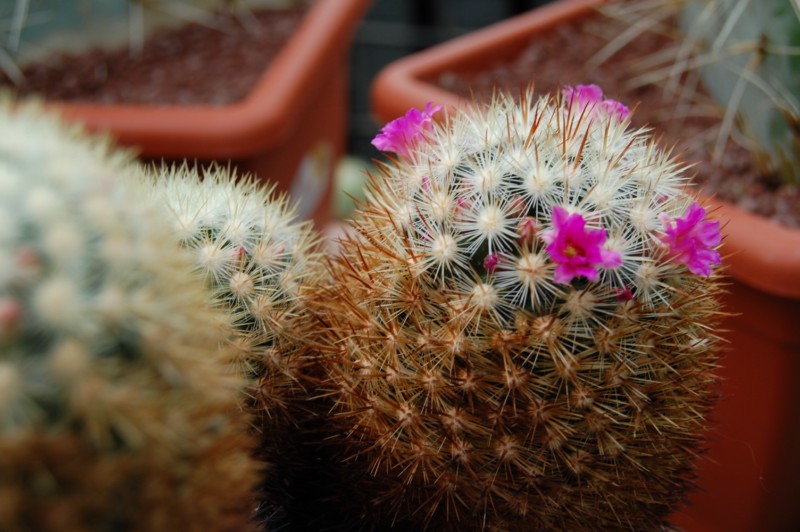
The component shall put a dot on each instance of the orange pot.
(751, 477)
(290, 129)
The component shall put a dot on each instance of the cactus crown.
(533, 201)
(513, 324)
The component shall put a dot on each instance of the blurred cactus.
(520, 333)
(259, 261)
(119, 404)
(744, 53)
(748, 54)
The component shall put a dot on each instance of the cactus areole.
(521, 326)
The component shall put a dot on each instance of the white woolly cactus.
(119, 409)
(521, 331)
(256, 256)
(259, 261)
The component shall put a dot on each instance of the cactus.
(748, 58)
(743, 53)
(520, 332)
(259, 261)
(120, 406)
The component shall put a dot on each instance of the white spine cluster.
(248, 245)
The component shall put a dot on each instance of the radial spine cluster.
(257, 258)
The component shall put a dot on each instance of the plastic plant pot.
(289, 130)
(750, 476)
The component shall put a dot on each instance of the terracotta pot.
(290, 129)
(751, 477)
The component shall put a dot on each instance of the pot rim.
(266, 116)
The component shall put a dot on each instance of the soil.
(561, 57)
(190, 64)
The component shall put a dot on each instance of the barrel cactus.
(259, 262)
(520, 331)
(120, 404)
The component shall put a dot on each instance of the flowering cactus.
(119, 407)
(520, 331)
(592, 95)
(402, 134)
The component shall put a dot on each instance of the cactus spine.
(258, 260)
(517, 335)
(743, 53)
(119, 407)
(748, 60)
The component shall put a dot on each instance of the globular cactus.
(520, 332)
(259, 261)
(120, 404)
(257, 258)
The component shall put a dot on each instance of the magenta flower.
(582, 95)
(592, 95)
(491, 261)
(402, 133)
(691, 240)
(615, 108)
(577, 250)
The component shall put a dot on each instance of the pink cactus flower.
(577, 250)
(691, 240)
(490, 262)
(623, 294)
(582, 95)
(403, 133)
(615, 108)
(592, 95)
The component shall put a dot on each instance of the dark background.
(392, 29)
